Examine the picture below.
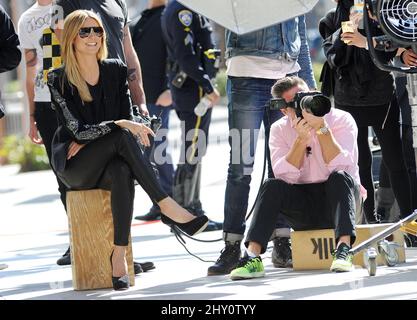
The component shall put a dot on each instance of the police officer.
(151, 50)
(190, 70)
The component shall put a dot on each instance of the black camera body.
(154, 123)
(313, 102)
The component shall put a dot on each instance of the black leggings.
(387, 129)
(392, 156)
(111, 163)
(410, 163)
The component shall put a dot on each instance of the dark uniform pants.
(194, 141)
(195, 131)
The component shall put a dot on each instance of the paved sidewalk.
(34, 234)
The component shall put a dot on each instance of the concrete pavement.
(34, 234)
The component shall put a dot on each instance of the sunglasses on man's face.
(85, 32)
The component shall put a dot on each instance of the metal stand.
(384, 247)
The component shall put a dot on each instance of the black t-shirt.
(149, 44)
(95, 111)
(114, 15)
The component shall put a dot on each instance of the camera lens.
(318, 105)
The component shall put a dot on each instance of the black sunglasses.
(85, 32)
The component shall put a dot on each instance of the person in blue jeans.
(255, 61)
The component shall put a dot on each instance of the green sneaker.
(342, 259)
(248, 268)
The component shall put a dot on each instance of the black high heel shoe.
(119, 283)
(193, 227)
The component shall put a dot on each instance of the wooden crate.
(91, 237)
(311, 249)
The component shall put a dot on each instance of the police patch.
(186, 17)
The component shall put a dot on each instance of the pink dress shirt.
(314, 169)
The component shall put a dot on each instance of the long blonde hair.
(72, 25)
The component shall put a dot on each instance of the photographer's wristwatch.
(323, 130)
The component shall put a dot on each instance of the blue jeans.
(248, 108)
(164, 166)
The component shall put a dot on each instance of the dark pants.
(410, 163)
(158, 152)
(194, 137)
(194, 141)
(410, 160)
(248, 100)
(112, 162)
(326, 205)
(47, 123)
(388, 135)
(407, 135)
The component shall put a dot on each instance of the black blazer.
(72, 125)
(10, 54)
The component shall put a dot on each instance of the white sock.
(250, 254)
(282, 233)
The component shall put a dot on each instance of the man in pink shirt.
(317, 184)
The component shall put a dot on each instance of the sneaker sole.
(278, 265)
(338, 269)
(249, 276)
(220, 273)
(217, 273)
(341, 270)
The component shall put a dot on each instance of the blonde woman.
(96, 144)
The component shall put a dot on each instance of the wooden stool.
(91, 237)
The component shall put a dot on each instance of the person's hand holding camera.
(303, 129)
(315, 122)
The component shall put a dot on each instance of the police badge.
(185, 17)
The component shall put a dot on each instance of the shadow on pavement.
(42, 199)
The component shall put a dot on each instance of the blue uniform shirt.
(185, 30)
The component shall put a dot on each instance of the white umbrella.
(242, 16)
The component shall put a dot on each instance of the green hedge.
(317, 70)
(22, 151)
(220, 82)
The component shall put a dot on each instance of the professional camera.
(313, 102)
(152, 122)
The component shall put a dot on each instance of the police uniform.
(188, 37)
